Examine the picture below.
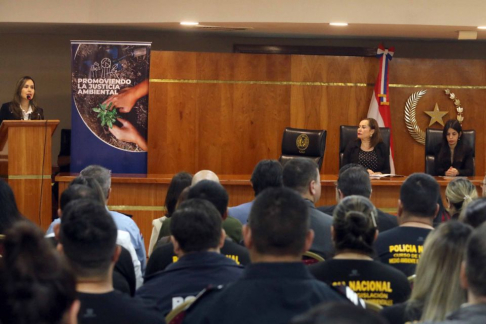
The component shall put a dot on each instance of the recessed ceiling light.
(338, 24)
(481, 27)
(189, 23)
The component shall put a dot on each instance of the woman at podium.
(23, 106)
(368, 149)
(452, 156)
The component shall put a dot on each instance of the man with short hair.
(197, 236)
(402, 246)
(276, 286)
(123, 222)
(473, 279)
(163, 254)
(267, 174)
(302, 175)
(87, 237)
(355, 180)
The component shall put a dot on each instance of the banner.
(109, 105)
(380, 100)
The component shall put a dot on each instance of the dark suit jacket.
(463, 160)
(385, 221)
(321, 224)
(6, 114)
(351, 153)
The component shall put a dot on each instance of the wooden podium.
(28, 168)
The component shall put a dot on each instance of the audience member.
(459, 193)
(87, 238)
(213, 192)
(475, 213)
(267, 174)
(276, 286)
(442, 215)
(436, 290)
(473, 279)
(355, 180)
(353, 231)
(36, 285)
(179, 182)
(128, 274)
(231, 225)
(9, 212)
(197, 236)
(401, 247)
(123, 222)
(338, 313)
(302, 175)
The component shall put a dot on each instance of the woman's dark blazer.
(463, 160)
(351, 155)
(6, 114)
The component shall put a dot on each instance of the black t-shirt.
(115, 307)
(401, 247)
(124, 273)
(164, 255)
(371, 280)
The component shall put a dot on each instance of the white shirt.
(25, 115)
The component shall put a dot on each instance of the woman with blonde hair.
(459, 193)
(437, 290)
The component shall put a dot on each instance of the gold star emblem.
(436, 115)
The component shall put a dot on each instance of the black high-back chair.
(350, 133)
(433, 137)
(304, 143)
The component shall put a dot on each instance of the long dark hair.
(376, 138)
(444, 149)
(9, 213)
(36, 285)
(178, 183)
(15, 104)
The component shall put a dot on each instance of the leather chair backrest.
(349, 133)
(307, 143)
(433, 137)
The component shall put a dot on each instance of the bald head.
(204, 175)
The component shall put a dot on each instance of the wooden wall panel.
(229, 110)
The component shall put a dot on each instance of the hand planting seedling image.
(107, 115)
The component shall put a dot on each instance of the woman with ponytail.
(459, 193)
(353, 233)
(36, 285)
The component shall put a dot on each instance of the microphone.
(29, 97)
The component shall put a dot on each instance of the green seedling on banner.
(107, 116)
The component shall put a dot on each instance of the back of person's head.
(419, 195)
(91, 183)
(212, 192)
(338, 313)
(476, 262)
(354, 181)
(267, 173)
(354, 225)
(475, 213)
(437, 288)
(204, 175)
(88, 237)
(460, 192)
(9, 213)
(196, 226)
(100, 174)
(279, 222)
(36, 285)
(350, 165)
(298, 174)
(178, 183)
(77, 191)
